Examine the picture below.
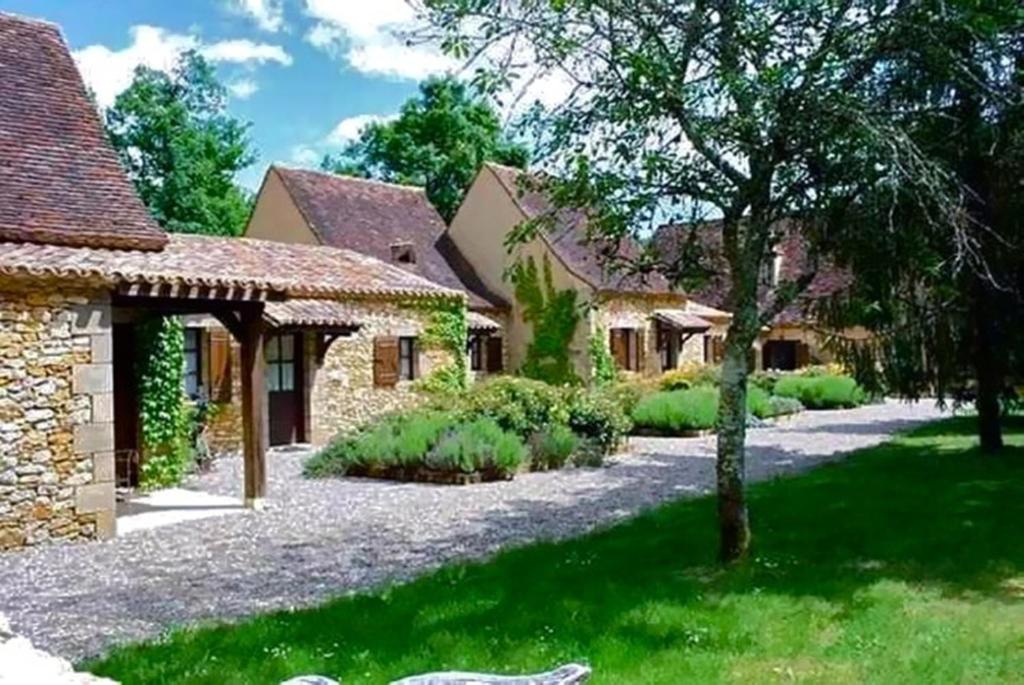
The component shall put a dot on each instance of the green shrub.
(626, 395)
(678, 410)
(759, 402)
(822, 391)
(519, 405)
(552, 446)
(784, 406)
(589, 454)
(766, 380)
(479, 445)
(598, 417)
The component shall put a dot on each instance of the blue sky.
(306, 73)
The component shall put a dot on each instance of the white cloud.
(107, 72)
(306, 156)
(349, 129)
(245, 51)
(268, 14)
(363, 35)
(243, 89)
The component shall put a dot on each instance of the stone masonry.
(56, 415)
(635, 312)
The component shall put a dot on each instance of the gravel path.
(321, 538)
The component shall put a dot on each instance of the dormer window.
(403, 253)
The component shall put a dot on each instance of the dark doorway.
(780, 355)
(126, 407)
(285, 404)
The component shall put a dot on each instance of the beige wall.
(275, 216)
(56, 414)
(635, 311)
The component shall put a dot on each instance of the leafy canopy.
(181, 148)
(439, 141)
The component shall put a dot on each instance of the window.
(476, 353)
(280, 369)
(193, 376)
(625, 348)
(668, 347)
(403, 253)
(407, 359)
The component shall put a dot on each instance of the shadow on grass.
(904, 525)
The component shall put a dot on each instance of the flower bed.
(491, 432)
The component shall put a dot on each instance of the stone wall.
(625, 311)
(56, 415)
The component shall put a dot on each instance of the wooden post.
(254, 434)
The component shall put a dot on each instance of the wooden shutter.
(803, 355)
(641, 350)
(385, 362)
(619, 347)
(220, 366)
(495, 360)
(717, 350)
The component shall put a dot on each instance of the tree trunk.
(734, 525)
(988, 370)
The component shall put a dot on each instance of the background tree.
(748, 111)
(181, 148)
(942, 325)
(439, 141)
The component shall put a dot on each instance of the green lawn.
(904, 564)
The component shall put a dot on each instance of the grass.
(904, 564)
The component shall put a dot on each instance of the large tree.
(748, 111)
(947, 316)
(182, 149)
(439, 141)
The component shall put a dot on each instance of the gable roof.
(60, 180)
(568, 239)
(371, 217)
(792, 247)
(295, 270)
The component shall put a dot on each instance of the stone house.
(82, 262)
(793, 338)
(650, 328)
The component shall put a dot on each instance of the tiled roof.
(315, 313)
(192, 260)
(480, 323)
(681, 319)
(60, 180)
(371, 217)
(705, 312)
(568, 239)
(792, 248)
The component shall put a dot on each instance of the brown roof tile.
(315, 313)
(193, 260)
(371, 217)
(60, 180)
(588, 259)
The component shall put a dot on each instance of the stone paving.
(318, 539)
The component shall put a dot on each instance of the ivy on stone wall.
(164, 420)
(602, 366)
(446, 329)
(554, 315)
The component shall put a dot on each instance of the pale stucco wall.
(56, 415)
(275, 216)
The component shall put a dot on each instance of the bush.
(784, 406)
(479, 445)
(519, 405)
(822, 391)
(552, 446)
(759, 402)
(598, 417)
(678, 410)
(691, 375)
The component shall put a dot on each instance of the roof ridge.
(349, 177)
(24, 18)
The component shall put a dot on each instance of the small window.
(280, 369)
(407, 359)
(476, 353)
(193, 362)
(403, 253)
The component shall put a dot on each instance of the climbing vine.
(602, 366)
(164, 417)
(554, 315)
(446, 329)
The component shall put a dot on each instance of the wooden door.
(284, 388)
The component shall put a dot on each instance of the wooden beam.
(230, 321)
(254, 434)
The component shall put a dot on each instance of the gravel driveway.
(318, 539)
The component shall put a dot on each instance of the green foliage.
(784, 406)
(439, 141)
(599, 418)
(519, 405)
(691, 375)
(551, 447)
(446, 329)
(837, 593)
(758, 402)
(181, 148)
(602, 366)
(822, 392)
(164, 420)
(554, 316)
(479, 445)
(678, 411)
